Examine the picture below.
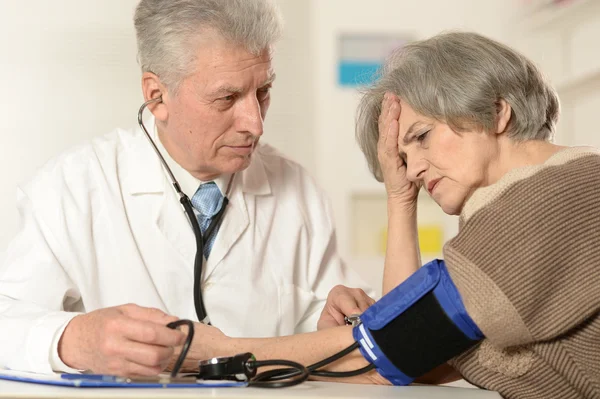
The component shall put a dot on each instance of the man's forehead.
(243, 80)
(224, 85)
(222, 55)
(224, 65)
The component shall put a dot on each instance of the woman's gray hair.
(458, 78)
(168, 31)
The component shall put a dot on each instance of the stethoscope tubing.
(189, 211)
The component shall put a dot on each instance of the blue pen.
(94, 377)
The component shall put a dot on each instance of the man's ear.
(152, 87)
(503, 114)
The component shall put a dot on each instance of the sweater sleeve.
(525, 262)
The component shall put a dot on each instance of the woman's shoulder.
(569, 154)
(572, 168)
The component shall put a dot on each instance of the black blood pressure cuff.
(416, 327)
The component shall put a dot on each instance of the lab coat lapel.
(251, 182)
(148, 179)
(235, 222)
(173, 223)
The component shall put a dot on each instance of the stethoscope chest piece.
(239, 367)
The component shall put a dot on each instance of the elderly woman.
(471, 121)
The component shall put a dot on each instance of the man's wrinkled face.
(216, 117)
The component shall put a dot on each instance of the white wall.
(564, 42)
(289, 123)
(68, 73)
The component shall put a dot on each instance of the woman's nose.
(415, 169)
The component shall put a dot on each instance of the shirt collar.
(188, 183)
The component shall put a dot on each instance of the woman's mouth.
(431, 185)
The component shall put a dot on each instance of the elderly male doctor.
(104, 258)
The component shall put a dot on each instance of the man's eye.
(263, 93)
(228, 98)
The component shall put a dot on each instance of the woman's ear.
(503, 114)
(152, 87)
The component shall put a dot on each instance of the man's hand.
(343, 301)
(126, 340)
(208, 342)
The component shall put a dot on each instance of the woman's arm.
(440, 375)
(402, 257)
(402, 254)
(306, 349)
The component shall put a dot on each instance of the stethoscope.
(189, 211)
(242, 367)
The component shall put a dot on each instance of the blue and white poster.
(361, 56)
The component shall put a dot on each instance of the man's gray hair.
(458, 78)
(169, 31)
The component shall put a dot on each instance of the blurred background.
(68, 73)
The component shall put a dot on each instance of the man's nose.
(250, 118)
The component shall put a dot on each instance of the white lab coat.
(102, 226)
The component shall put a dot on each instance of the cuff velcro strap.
(416, 327)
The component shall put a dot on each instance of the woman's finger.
(394, 107)
(385, 107)
(385, 118)
(389, 125)
(391, 144)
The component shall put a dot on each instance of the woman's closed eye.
(421, 137)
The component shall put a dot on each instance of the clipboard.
(109, 381)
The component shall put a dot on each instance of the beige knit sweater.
(527, 264)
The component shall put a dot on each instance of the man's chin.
(238, 164)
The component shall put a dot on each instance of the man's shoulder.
(77, 163)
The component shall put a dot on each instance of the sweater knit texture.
(526, 261)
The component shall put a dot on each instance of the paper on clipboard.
(87, 381)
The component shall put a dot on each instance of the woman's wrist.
(401, 207)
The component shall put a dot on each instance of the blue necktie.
(207, 200)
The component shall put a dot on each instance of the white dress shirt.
(102, 226)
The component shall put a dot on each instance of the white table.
(311, 389)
